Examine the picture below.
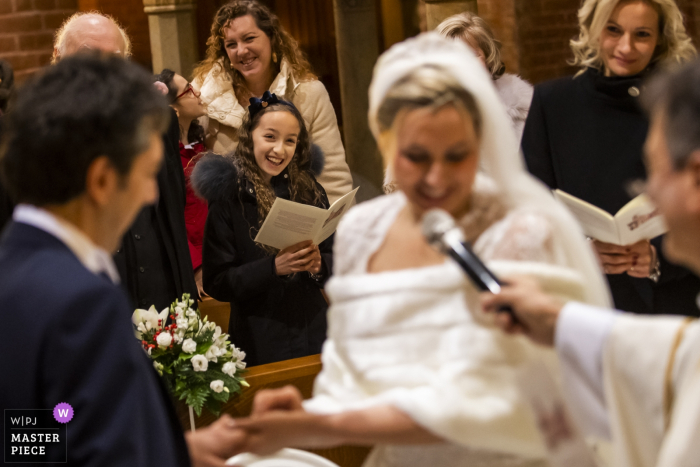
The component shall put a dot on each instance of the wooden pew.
(299, 372)
(218, 312)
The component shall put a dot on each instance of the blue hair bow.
(256, 105)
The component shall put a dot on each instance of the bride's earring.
(274, 57)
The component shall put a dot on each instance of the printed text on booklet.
(637, 220)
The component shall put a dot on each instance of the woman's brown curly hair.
(283, 45)
(302, 186)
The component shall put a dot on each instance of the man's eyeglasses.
(188, 88)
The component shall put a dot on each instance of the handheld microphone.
(441, 232)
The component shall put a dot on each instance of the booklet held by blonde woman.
(637, 220)
(288, 222)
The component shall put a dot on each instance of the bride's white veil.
(500, 153)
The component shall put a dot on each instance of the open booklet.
(288, 222)
(637, 220)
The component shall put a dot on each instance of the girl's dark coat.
(272, 318)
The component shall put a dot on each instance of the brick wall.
(544, 30)
(26, 32)
(131, 16)
(500, 14)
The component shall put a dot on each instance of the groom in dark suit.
(81, 156)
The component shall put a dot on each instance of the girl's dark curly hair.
(283, 45)
(302, 186)
(195, 133)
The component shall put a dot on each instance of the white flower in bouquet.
(229, 368)
(221, 343)
(189, 346)
(182, 323)
(191, 313)
(217, 385)
(239, 356)
(212, 353)
(164, 340)
(220, 339)
(178, 311)
(200, 363)
(150, 318)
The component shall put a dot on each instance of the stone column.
(173, 35)
(357, 42)
(438, 10)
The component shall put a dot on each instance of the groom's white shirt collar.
(94, 258)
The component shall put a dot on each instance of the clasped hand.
(277, 420)
(635, 259)
(302, 256)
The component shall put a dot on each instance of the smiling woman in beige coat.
(249, 53)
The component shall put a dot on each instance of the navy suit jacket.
(65, 337)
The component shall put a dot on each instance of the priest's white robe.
(635, 380)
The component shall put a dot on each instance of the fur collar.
(214, 174)
(221, 102)
(516, 95)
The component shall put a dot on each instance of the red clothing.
(195, 208)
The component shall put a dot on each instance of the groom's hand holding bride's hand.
(213, 445)
(287, 398)
(277, 420)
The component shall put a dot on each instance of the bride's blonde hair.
(427, 88)
(674, 44)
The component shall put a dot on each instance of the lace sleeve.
(520, 236)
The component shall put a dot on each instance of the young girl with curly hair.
(278, 310)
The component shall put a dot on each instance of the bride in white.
(411, 365)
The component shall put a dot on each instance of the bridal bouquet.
(196, 360)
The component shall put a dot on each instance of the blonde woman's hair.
(674, 44)
(282, 43)
(426, 88)
(466, 26)
(59, 43)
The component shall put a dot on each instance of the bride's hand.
(287, 398)
(268, 433)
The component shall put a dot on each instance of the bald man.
(154, 258)
(90, 31)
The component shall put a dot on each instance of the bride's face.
(437, 159)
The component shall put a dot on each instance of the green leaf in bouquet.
(222, 396)
(214, 406)
(195, 397)
(180, 386)
(186, 356)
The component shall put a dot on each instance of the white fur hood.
(221, 102)
(516, 94)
